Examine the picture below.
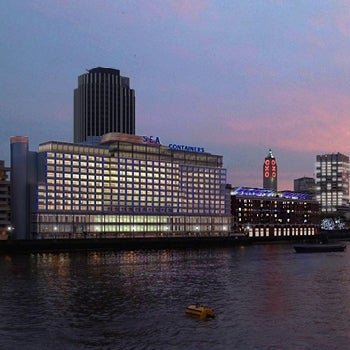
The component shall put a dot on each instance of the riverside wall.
(64, 245)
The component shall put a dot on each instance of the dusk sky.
(234, 77)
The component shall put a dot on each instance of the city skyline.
(235, 78)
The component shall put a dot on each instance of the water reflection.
(265, 297)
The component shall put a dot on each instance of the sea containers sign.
(155, 140)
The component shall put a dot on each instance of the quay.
(171, 242)
(63, 245)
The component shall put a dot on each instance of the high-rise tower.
(103, 103)
(270, 172)
(332, 182)
(20, 187)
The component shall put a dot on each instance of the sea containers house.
(127, 186)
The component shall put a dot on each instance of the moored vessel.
(320, 248)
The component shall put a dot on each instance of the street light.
(197, 229)
(9, 231)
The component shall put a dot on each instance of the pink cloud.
(253, 177)
(304, 121)
(341, 17)
(188, 9)
(338, 17)
(144, 11)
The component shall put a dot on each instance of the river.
(265, 297)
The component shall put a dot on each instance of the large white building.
(332, 182)
(128, 186)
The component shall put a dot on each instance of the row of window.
(108, 200)
(127, 175)
(192, 207)
(78, 180)
(130, 190)
(84, 160)
(112, 218)
(282, 231)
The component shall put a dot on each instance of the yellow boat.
(200, 311)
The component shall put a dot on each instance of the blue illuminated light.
(186, 148)
(261, 192)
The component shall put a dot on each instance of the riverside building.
(265, 213)
(128, 186)
(103, 103)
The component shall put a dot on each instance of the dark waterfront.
(265, 296)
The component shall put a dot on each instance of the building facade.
(5, 206)
(270, 172)
(265, 213)
(103, 103)
(129, 186)
(305, 185)
(332, 183)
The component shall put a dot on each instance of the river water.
(265, 297)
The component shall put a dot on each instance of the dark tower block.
(103, 103)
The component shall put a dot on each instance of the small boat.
(320, 248)
(200, 311)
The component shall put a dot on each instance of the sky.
(235, 77)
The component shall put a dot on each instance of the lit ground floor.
(77, 226)
(278, 231)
